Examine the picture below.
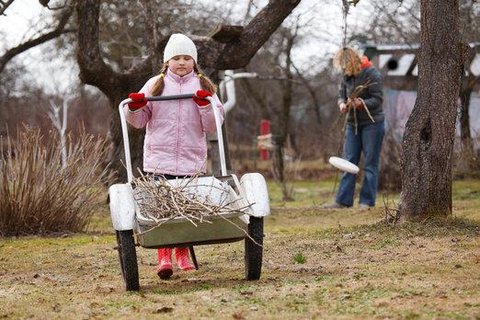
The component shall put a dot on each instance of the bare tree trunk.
(293, 143)
(280, 126)
(313, 94)
(465, 136)
(430, 130)
(280, 132)
(277, 160)
(465, 94)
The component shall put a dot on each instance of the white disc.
(343, 165)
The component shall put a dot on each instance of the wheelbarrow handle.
(172, 97)
(126, 144)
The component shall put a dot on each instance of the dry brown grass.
(37, 195)
(353, 266)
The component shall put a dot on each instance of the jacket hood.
(366, 63)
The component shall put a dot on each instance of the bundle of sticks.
(160, 201)
(356, 95)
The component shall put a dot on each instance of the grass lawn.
(317, 264)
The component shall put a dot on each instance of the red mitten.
(359, 104)
(138, 100)
(200, 96)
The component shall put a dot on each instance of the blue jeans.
(369, 141)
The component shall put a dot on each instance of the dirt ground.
(318, 264)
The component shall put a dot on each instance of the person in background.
(361, 98)
(175, 142)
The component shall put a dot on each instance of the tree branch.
(93, 69)
(212, 54)
(237, 53)
(4, 6)
(59, 30)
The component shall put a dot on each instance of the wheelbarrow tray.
(181, 232)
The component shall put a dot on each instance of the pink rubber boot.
(164, 269)
(183, 259)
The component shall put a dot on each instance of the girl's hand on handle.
(200, 96)
(138, 102)
(342, 107)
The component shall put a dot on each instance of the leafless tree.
(270, 96)
(49, 34)
(60, 123)
(394, 22)
(215, 54)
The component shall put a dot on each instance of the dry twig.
(159, 201)
(356, 94)
(392, 215)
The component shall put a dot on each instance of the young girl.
(175, 140)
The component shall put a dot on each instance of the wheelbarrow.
(248, 197)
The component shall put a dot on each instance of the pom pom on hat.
(179, 44)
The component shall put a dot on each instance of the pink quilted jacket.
(175, 140)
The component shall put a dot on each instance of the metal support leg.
(194, 258)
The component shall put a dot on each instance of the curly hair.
(205, 82)
(348, 61)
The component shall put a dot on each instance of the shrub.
(37, 196)
(466, 161)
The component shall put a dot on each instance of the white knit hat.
(179, 44)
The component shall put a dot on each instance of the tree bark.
(430, 130)
(465, 94)
(465, 136)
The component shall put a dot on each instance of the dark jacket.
(372, 95)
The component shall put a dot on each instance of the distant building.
(399, 67)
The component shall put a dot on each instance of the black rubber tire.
(254, 251)
(128, 259)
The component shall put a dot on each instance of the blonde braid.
(205, 82)
(158, 86)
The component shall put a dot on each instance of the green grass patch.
(299, 258)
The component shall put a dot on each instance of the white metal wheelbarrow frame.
(250, 194)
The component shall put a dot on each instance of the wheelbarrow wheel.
(254, 249)
(128, 259)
